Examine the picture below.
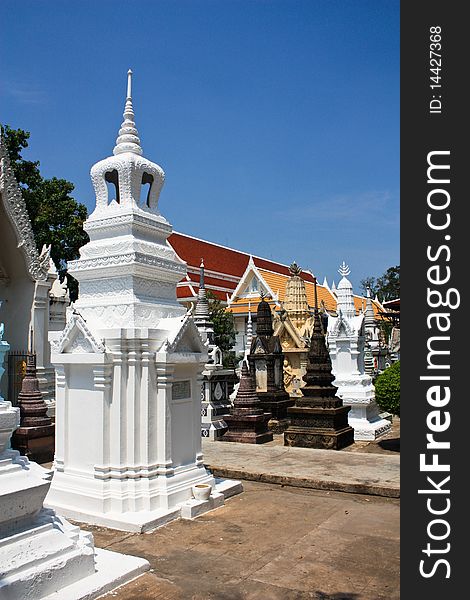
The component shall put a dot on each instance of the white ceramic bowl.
(202, 491)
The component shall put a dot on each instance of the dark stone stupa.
(247, 421)
(266, 365)
(34, 437)
(319, 419)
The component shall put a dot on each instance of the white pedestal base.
(214, 430)
(112, 571)
(41, 554)
(364, 418)
(145, 521)
(365, 430)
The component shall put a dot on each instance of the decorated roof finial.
(128, 137)
(294, 269)
(344, 270)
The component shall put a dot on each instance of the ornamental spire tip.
(128, 137)
(344, 270)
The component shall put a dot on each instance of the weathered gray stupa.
(266, 361)
(318, 419)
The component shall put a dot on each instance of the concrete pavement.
(270, 543)
(304, 539)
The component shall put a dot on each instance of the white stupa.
(129, 362)
(346, 346)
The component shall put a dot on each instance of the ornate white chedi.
(41, 554)
(128, 414)
(346, 347)
(216, 382)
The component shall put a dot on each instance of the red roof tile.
(216, 258)
(221, 259)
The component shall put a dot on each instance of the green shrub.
(387, 389)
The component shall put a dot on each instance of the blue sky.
(276, 121)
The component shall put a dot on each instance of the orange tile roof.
(277, 283)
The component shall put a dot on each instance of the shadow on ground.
(392, 445)
(337, 596)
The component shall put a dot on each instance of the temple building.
(129, 363)
(279, 285)
(33, 300)
(391, 314)
(293, 325)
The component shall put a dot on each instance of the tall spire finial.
(344, 270)
(129, 84)
(128, 137)
(249, 333)
(315, 292)
(201, 276)
(344, 293)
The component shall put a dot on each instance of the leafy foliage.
(55, 216)
(224, 328)
(386, 287)
(387, 389)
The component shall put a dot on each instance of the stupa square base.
(37, 443)
(247, 437)
(249, 429)
(276, 403)
(365, 430)
(146, 521)
(49, 558)
(112, 571)
(324, 439)
(213, 431)
(278, 425)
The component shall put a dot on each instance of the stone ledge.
(369, 488)
(372, 474)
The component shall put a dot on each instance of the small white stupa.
(129, 363)
(217, 382)
(346, 346)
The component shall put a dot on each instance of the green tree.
(369, 283)
(224, 328)
(55, 216)
(387, 389)
(386, 287)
